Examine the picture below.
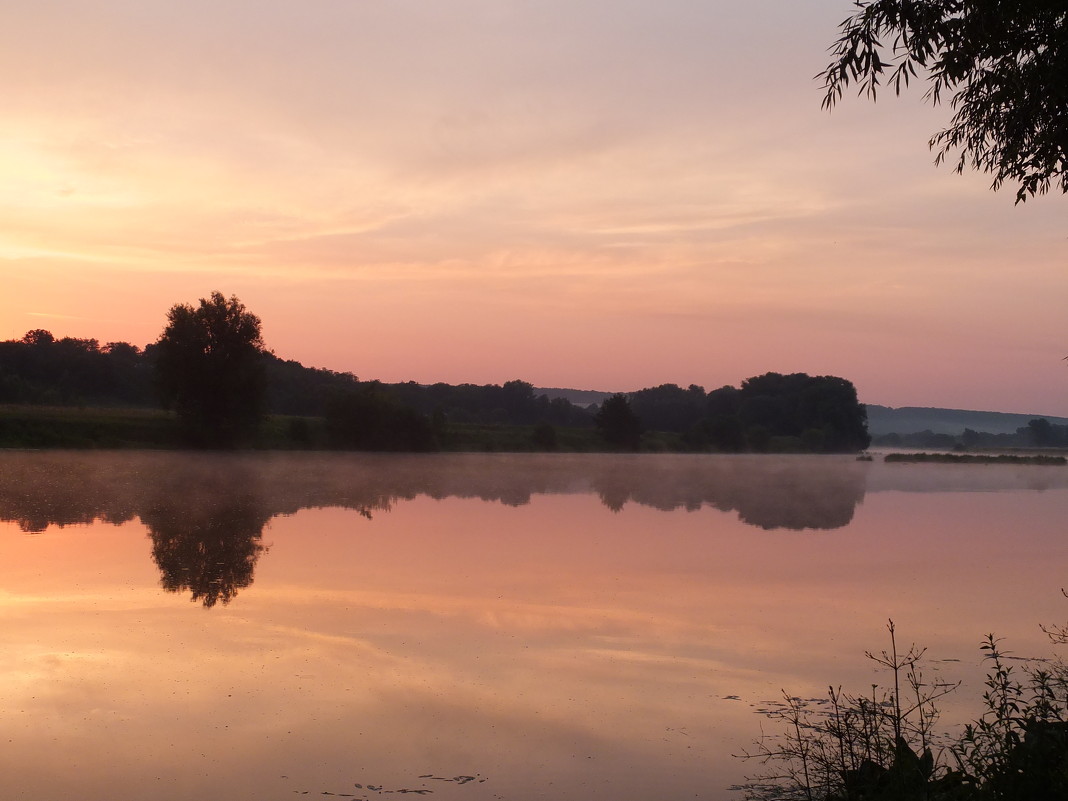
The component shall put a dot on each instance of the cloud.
(544, 167)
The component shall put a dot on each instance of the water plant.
(885, 745)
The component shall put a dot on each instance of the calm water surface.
(260, 627)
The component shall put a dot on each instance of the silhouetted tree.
(725, 433)
(618, 423)
(40, 369)
(562, 412)
(722, 425)
(1006, 65)
(544, 437)
(128, 374)
(209, 368)
(669, 407)
(368, 418)
(513, 403)
(518, 401)
(1041, 432)
(38, 336)
(829, 405)
(293, 388)
(787, 412)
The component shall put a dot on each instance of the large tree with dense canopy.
(209, 369)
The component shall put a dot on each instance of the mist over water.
(254, 626)
(766, 491)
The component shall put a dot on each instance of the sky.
(588, 194)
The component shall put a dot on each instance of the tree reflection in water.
(206, 513)
(767, 492)
(210, 549)
(205, 516)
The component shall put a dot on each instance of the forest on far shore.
(766, 413)
(1038, 433)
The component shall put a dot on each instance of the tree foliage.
(209, 369)
(295, 389)
(40, 369)
(512, 403)
(370, 418)
(770, 412)
(669, 407)
(618, 424)
(1005, 64)
(210, 366)
(795, 412)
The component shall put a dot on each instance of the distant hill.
(911, 419)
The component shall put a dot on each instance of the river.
(259, 627)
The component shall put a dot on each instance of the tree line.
(212, 369)
(40, 369)
(1038, 433)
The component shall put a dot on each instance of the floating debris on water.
(380, 789)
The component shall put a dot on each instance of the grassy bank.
(89, 427)
(31, 426)
(27, 426)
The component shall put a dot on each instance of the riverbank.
(116, 428)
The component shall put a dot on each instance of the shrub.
(885, 747)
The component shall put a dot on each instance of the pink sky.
(603, 195)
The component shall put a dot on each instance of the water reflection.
(768, 493)
(538, 640)
(206, 531)
(206, 514)
(42, 489)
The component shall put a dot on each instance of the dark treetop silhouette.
(210, 371)
(1006, 65)
(618, 423)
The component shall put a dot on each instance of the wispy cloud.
(534, 170)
